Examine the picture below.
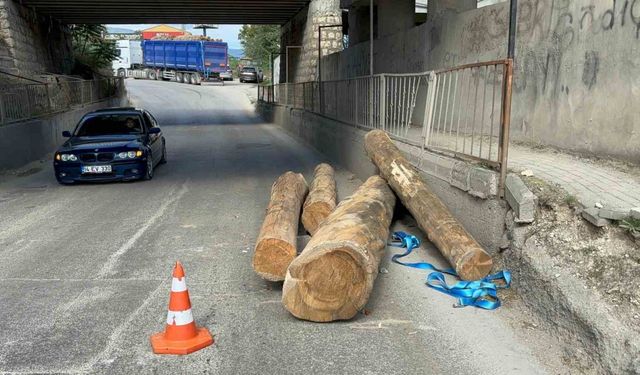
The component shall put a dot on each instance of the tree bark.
(462, 251)
(322, 198)
(276, 245)
(333, 276)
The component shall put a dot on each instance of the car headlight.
(129, 155)
(68, 157)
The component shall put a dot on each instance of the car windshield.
(110, 125)
(249, 70)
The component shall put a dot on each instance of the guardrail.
(463, 111)
(27, 101)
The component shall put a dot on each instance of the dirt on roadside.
(607, 259)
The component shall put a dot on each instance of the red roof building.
(162, 30)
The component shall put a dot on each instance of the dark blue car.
(116, 144)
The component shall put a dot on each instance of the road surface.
(85, 270)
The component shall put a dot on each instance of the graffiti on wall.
(547, 32)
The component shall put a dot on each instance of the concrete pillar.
(395, 16)
(302, 31)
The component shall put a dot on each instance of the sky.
(228, 33)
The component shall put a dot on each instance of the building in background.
(120, 33)
(164, 31)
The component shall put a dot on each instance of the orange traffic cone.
(181, 336)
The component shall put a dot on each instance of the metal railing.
(27, 101)
(462, 111)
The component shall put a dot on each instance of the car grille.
(88, 157)
(101, 157)
(105, 156)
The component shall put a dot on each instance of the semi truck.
(182, 61)
(129, 57)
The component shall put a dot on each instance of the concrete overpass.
(169, 11)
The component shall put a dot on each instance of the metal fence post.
(432, 84)
(371, 93)
(506, 124)
(2, 115)
(383, 102)
(49, 99)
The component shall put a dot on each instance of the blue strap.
(481, 293)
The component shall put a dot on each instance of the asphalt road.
(85, 270)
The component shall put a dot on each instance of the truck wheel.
(198, 79)
(179, 78)
(122, 73)
(152, 75)
(192, 79)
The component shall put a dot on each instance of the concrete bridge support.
(301, 34)
(31, 43)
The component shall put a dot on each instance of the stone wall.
(576, 80)
(30, 43)
(302, 31)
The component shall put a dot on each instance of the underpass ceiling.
(169, 11)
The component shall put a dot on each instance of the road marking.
(116, 335)
(113, 259)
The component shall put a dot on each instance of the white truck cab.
(129, 57)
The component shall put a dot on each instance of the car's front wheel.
(149, 172)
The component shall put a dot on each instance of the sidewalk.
(615, 186)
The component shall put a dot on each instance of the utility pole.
(205, 28)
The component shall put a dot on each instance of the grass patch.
(631, 225)
(571, 200)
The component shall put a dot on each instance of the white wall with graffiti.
(577, 79)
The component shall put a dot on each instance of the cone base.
(161, 345)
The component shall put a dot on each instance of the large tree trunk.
(464, 253)
(276, 245)
(321, 200)
(333, 276)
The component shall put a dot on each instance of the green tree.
(259, 42)
(90, 48)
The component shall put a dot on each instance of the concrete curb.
(477, 181)
(569, 309)
(521, 199)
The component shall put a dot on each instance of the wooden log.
(276, 245)
(333, 276)
(322, 198)
(462, 251)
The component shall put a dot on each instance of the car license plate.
(96, 169)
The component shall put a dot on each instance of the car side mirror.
(154, 131)
(66, 134)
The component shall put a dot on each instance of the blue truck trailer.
(183, 61)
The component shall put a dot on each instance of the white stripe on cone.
(178, 285)
(179, 318)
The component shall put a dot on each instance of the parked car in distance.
(115, 144)
(227, 75)
(250, 74)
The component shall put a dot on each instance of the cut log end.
(331, 287)
(315, 214)
(272, 257)
(475, 265)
